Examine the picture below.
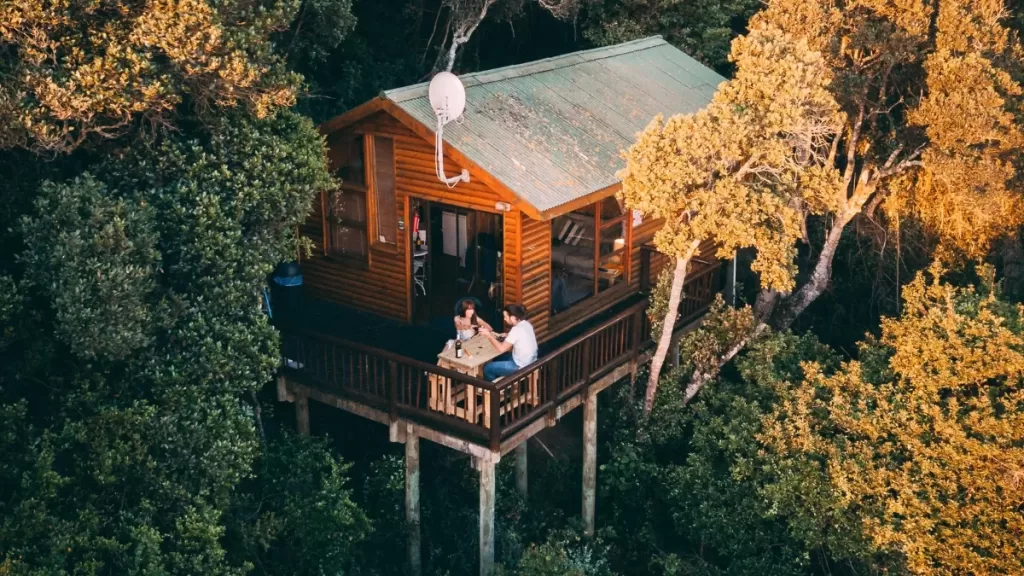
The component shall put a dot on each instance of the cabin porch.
(391, 376)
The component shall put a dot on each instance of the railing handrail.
(518, 374)
(391, 356)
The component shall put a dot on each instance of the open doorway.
(456, 253)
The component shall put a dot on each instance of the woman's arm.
(484, 324)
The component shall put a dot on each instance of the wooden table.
(477, 351)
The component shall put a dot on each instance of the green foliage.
(695, 493)
(565, 552)
(94, 257)
(305, 520)
(703, 29)
(137, 343)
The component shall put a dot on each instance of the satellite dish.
(447, 96)
(448, 100)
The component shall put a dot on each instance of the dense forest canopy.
(860, 416)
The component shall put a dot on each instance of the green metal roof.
(553, 130)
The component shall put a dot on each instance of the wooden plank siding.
(511, 257)
(536, 273)
(383, 285)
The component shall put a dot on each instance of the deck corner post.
(486, 468)
(495, 423)
(302, 414)
(282, 388)
(521, 470)
(589, 461)
(412, 502)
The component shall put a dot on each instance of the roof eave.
(352, 116)
(581, 201)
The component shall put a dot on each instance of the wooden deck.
(484, 417)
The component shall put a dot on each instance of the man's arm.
(501, 347)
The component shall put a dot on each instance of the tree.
(79, 70)
(138, 347)
(891, 115)
(723, 173)
(702, 29)
(464, 16)
(922, 438)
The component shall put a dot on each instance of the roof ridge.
(529, 68)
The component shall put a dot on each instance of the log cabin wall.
(383, 284)
(512, 289)
(536, 273)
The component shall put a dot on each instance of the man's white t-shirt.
(524, 343)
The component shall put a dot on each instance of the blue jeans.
(503, 365)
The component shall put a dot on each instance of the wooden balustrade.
(474, 409)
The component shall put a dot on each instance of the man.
(521, 341)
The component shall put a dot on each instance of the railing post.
(588, 360)
(638, 320)
(554, 376)
(393, 393)
(495, 419)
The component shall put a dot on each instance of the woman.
(466, 321)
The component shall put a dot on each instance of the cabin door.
(456, 253)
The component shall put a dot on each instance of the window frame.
(600, 299)
(374, 195)
(330, 221)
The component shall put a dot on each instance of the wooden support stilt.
(486, 516)
(589, 461)
(412, 502)
(521, 477)
(302, 414)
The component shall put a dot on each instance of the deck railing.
(468, 407)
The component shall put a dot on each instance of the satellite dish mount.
(448, 100)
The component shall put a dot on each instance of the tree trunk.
(668, 324)
(793, 306)
(783, 312)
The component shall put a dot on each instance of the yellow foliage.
(826, 113)
(742, 170)
(931, 458)
(91, 68)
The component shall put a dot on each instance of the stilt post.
(486, 468)
(589, 461)
(521, 477)
(302, 414)
(412, 502)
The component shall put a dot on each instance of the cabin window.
(588, 253)
(346, 232)
(385, 201)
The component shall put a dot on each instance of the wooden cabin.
(537, 223)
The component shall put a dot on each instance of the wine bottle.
(458, 348)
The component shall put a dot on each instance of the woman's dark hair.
(468, 304)
(517, 310)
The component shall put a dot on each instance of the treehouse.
(537, 223)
